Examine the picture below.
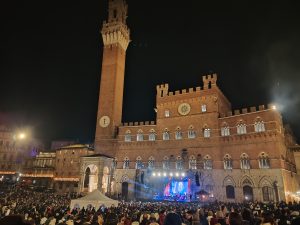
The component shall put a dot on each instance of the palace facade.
(232, 155)
(228, 155)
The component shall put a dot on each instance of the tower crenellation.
(209, 81)
(162, 90)
(115, 30)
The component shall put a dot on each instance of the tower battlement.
(162, 90)
(243, 111)
(209, 81)
(115, 30)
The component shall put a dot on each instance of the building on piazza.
(197, 144)
(198, 148)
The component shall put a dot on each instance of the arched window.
(230, 193)
(151, 163)
(225, 130)
(126, 163)
(206, 132)
(167, 113)
(191, 132)
(227, 162)
(203, 108)
(259, 125)
(207, 163)
(263, 161)
(179, 163)
(128, 136)
(138, 163)
(166, 135)
(178, 134)
(140, 136)
(268, 194)
(192, 163)
(152, 135)
(245, 162)
(241, 128)
(166, 163)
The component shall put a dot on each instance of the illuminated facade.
(232, 155)
(14, 152)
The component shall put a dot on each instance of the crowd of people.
(33, 208)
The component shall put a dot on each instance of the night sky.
(51, 53)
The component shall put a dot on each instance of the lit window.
(166, 135)
(264, 162)
(191, 134)
(178, 135)
(152, 136)
(206, 132)
(179, 163)
(151, 163)
(225, 131)
(167, 113)
(192, 163)
(241, 128)
(207, 163)
(227, 162)
(139, 163)
(140, 136)
(203, 108)
(245, 162)
(259, 126)
(126, 163)
(166, 164)
(128, 136)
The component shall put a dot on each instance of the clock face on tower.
(104, 121)
(184, 109)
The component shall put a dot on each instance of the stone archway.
(248, 193)
(247, 185)
(90, 178)
(125, 191)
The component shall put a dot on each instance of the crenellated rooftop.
(209, 82)
(243, 111)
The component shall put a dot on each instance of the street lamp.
(22, 136)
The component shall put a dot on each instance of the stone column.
(100, 175)
(92, 182)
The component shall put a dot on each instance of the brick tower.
(116, 37)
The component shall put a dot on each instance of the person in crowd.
(172, 219)
(38, 208)
(210, 215)
(268, 219)
(235, 219)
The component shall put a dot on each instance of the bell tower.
(116, 37)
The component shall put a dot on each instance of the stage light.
(159, 174)
(182, 174)
(177, 174)
(165, 174)
(153, 174)
(171, 174)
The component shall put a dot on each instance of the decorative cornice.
(115, 33)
